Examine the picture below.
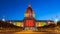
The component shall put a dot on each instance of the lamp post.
(56, 20)
(3, 19)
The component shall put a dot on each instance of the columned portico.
(29, 24)
(29, 19)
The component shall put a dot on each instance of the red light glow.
(29, 23)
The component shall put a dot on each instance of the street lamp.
(56, 20)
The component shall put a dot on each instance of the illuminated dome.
(29, 12)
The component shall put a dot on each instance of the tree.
(58, 23)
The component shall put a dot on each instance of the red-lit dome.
(29, 12)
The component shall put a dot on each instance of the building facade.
(29, 22)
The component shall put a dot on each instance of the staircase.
(28, 31)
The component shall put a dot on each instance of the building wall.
(42, 23)
(49, 22)
(20, 24)
(39, 24)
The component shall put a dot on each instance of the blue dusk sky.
(43, 9)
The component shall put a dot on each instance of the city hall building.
(29, 22)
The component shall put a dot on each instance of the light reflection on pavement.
(30, 32)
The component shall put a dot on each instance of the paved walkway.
(30, 32)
